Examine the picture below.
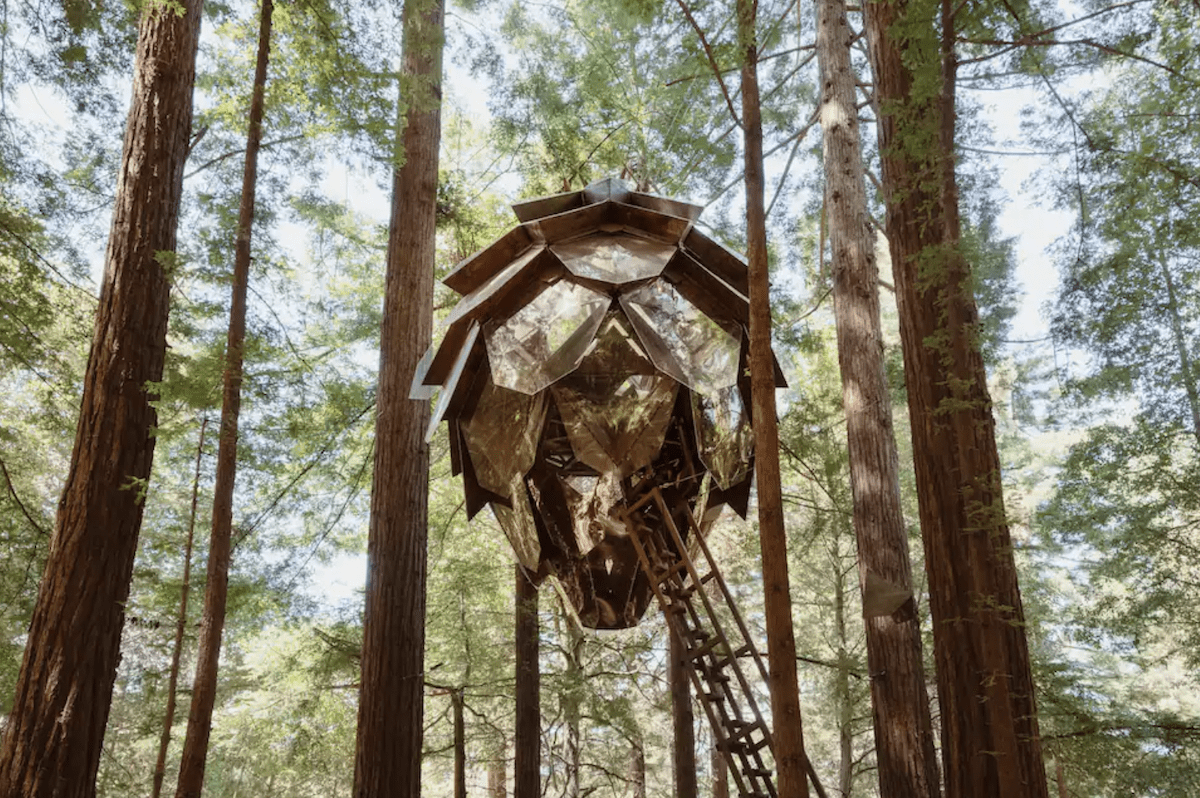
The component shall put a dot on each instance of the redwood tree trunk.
(220, 550)
(164, 743)
(52, 743)
(527, 743)
(790, 760)
(387, 757)
(990, 743)
(685, 726)
(899, 699)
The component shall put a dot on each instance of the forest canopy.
(1074, 136)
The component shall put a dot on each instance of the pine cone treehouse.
(594, 380)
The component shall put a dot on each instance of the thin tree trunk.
(990, 741)
(204, 688)
(841, 690)
(55, 732)
(685, 726)
(160, 766)
(1186, 369)
(572, 708)
(637, 769)
(460, 744)
(387, 757)
(720, 774)
(527, 742)
(790, 760)
(903, 726)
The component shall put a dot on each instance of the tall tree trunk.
(387, 757)
(685, 726)
(220, 550)
(527, 742)
(572, 707)
(460, 744)
(899, 698)
(1186, 368)
(990, 742)
(160, 765)
(720, 774)
(841, 690)
(52, 743)
(790, 760)
(637, 770)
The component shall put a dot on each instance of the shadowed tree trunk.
(990, 742)
(527, 743)
(164, 743)
(387, 757)
(220, 550)
(685, 726)
(899, 699)
(53, 739)
(460, 744)
(790, 760)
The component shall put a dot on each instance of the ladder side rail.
(718, 723)
(728, 600)
(728, 596)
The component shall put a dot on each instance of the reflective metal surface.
(680, 339)
(724, 437)
(546, 339)
(614, 258)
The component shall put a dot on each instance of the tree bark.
(528, 737)
(460, 744)
(637, 770)
(720, 774)
(903, 726)
(220, 550)
(685, 725)
(160, 765)
(990, 742)
(790, 759)
(52, 743)
(388, 751)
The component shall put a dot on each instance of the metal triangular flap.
(474, 270)
(649, 223)
(528, 275)
(737, 496)
(719, 260)
(610, 188)
(670, 207)
(707, 291)
(459, 381)
(538, 207)
(418, 389)
(475, 496)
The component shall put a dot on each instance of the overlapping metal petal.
(596, 347)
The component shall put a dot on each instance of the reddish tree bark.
(387, 757)
(52, 744)
(685, 725)
(903, 726)
(160, 765)
(990, 742)
(527, 742)
(790, 760)
(220, 549)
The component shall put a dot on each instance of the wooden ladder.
(715, 649)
